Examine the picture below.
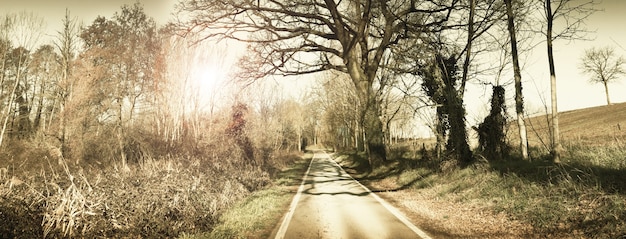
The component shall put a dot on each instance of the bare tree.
(603, 66)
(66, 44)
(124, 51)
(519, 98)
(340, 108)
(292, 119)
(573, 14)
(298, 37)
(26, 29)
(44, 74)
(174, 100)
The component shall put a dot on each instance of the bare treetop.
(304, 36)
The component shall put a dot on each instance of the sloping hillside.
(595, 125)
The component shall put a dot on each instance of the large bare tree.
(603, 66)
(306, 36)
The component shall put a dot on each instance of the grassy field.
(597, 126)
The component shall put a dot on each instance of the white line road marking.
(388, 206)
(292, 208)
(358, 227)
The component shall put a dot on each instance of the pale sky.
(86, 9)
(574, 91)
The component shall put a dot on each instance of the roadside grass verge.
(584, 197)
(258, 214)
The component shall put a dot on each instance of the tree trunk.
(371, 124)
(457, 145)
(458, 133)
(606, 91)
(439, 133)
(24, 126)
(519, 98)
(8, 111)
(39, 110)
(468, 53)
(369, 115)
(556, 141)
(358, 136)
(299, 136)
(374, 135)
(121, 137)
(457, 141)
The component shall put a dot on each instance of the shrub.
(161, 197)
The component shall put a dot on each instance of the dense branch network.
(299, 37)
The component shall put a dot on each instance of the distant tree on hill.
(603, 65)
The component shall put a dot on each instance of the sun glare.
(208, 78)
(206, 81)
(205, 68)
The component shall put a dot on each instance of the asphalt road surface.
(331, 204)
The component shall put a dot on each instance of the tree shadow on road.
(357, 165)
(326, 178)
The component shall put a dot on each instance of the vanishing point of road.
(331, 204)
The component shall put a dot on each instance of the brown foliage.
(236, 130)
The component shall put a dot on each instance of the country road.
(331, 204)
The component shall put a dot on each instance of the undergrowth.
(255, 216)
(154, 197)
(582, 197)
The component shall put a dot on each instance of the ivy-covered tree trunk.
(440, 132)
(519, 98)
(457, 146)
(440, 83)
(491, 135)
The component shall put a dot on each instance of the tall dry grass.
(159, 196)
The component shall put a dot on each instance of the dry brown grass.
(583, 197)
(593, 126)
(44, 196)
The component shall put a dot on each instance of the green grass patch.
(252, 217)
(258, 214)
